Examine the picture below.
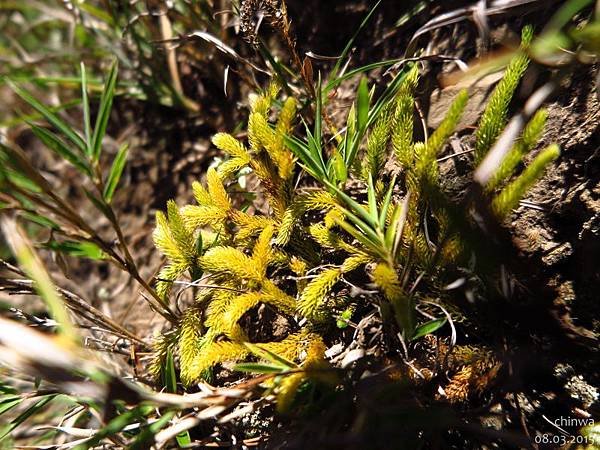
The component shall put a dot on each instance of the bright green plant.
(372, 209)
(387, 234)
(494, 116)
(233, 258)
(237, 254)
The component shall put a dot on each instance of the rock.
(479, 90)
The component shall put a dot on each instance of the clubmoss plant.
(494, 116)
(237, 254)
(237, 261)
(347, 242)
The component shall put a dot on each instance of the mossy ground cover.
(219, 234)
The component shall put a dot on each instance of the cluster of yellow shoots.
(234, 257)
(242, 252)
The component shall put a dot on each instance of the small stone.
(479, 91)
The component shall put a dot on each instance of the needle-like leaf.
(50, 116)
(372, 200)
(104, 111)
(362, 104)
(386, 204)
(57, 145)
(115, 173)
(87, 128)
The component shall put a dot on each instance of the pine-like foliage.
(314, 368)
(513, 192)
(386, 278)
(492, 123)
(233, 250)
(493, 119)
(402, 133)
(531, 135)
(473, 370)
(296, 257)
(426, 167)
(191, 343)
(315, 292)
(377, 144)
(176, 241)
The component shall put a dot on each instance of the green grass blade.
(280, 69)
(104, 111)
(87, 128)
(59, 147)
(338, 167)
(362, 69)
(301, 151)
(13, 170)
(170, 383)
(52, 118)
(318, 133)
(169, 375)
(354, 206)
(390, 233)
(184, 439)
(33, 266)
(368, 243)
(386, 204)
(270, 356)
(8, 428)
(100, 204)
(9, 402)
(315, 149)
(351, 150)
(41, 220)
(362, 104)
(349, 44)
(111, 428)
(146, 436)
(373, 113)
(258, 368)
(115, 173)
(19, 119)
(372, 199)
(565, 14)
(77, 249)
(362, 227)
